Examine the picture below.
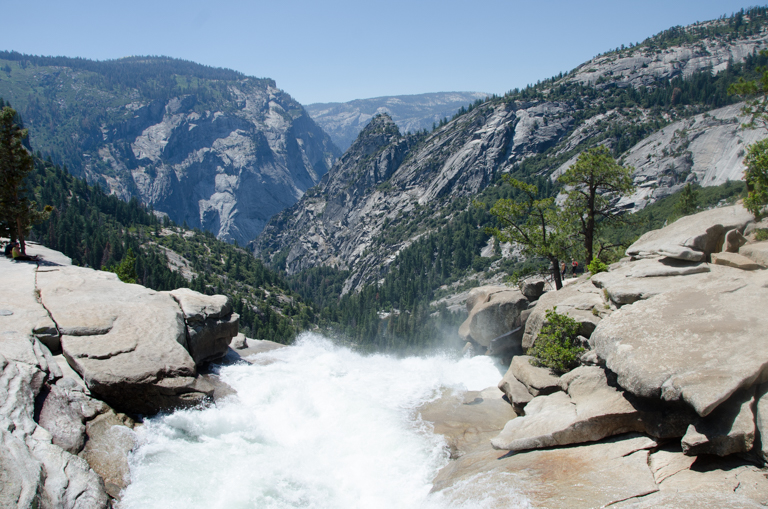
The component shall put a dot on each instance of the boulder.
(63, 412)
(469, 420)
(692, 343)
(496, 316)
(481, 294)
(668, 461)
(20, 310)
(692, 238)
(583, 476)
(577, 300)
(733, 241)
(757, 252)
(537, 380)
(110, 439)
(211, 324)
(533, 289)
(126, 342)
(590, 410)
(734, 260)
(239, 342)
(517, 393)
(729, 429)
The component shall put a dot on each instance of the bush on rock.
(556, 346)
(596, 266)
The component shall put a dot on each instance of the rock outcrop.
(137, 364)
(60, 446)
(677, 353)
(211, 324)
(692, 238)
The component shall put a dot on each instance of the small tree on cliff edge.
(756, 106)
(535, 224)
(593, 179)
(17, 213)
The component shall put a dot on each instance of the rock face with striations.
(210, 147)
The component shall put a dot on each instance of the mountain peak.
(379, 132)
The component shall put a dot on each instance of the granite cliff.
(645, 103)
(210, 147)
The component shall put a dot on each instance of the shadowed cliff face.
(225, 171)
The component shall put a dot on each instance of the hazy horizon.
(343, 50)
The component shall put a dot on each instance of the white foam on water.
(317, 427)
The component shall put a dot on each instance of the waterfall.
(312, 426)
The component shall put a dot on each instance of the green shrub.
(596, 266)
(555, 346)
(761, 235)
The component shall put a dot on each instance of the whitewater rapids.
(312, 426)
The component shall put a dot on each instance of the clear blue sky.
(339, 50)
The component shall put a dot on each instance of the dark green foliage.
(556, 345)
(688, 203)
(596, 266)
(756, 177)
(126, 270)
(17, 212)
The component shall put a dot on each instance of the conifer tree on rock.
(536, 224)
(593, 180)
(17, 212)
(756, 161)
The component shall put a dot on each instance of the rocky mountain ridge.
(344, 121)
(220, 151)
(660, 126)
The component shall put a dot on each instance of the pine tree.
(593, 179)
(17, 212)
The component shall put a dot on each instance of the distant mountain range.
(344, 121)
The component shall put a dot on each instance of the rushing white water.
(312, 426)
